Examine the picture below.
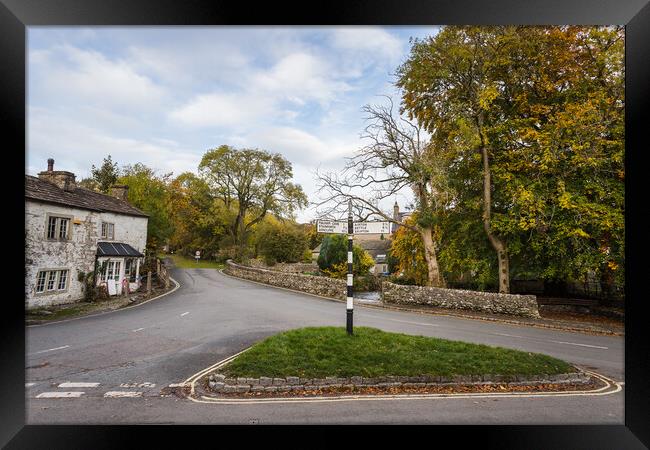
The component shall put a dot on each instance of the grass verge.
(191, 263)
(319, 352)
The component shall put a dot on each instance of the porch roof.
(116, 249)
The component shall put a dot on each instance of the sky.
(163, 96)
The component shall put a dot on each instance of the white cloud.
(208, 62)
(300, 77)
(75, 76)
(223, 110)
(163, 96)
(301, 147)
(75, 147)
(371, 41)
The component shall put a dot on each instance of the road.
(141, 350)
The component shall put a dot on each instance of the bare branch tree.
(396, 157)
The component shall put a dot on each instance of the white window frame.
(114, 266)
(107, 230)
(52, 276)
(58, 220)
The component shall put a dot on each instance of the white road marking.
(75, 394)
(611, 387)
(177, 385)
(414, 323)
(511, 335)
(555, 342)
(140, 385)
(121, 394)
(139, 329)
(51, 349)
(69, 384)
(29, 384)
(581, 345)
(185, 313)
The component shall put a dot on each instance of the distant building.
(399, 217)
(378, 249)
(69, 229)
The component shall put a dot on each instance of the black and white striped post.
(350, 283)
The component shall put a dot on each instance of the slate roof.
(116, 249)
(375, 248)
(40, 190)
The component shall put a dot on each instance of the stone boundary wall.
(490, 302)
(325, 286)
(222, 384)
(285, 267)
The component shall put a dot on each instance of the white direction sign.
(332, 226)
(371, 227)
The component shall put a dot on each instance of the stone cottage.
(70, 231)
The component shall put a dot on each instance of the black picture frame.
(16, 15)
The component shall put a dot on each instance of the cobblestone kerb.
(221, 384)
(491, 302)
(324, 286)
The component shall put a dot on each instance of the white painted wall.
(77, 254)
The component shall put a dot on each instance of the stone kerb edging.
(490, 302)
(221, 384)
(323, 286)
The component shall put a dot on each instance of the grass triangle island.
(319, 352)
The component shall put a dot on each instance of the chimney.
(120, 191)
(60, 178)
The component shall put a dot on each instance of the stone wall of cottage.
(490, 302)
(325, 286)
(77, 254)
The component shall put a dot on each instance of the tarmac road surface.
(111, 368)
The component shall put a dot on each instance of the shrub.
(333, 257)
(282, 244)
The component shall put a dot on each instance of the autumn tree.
(408, 250)
(447, 79)
(199, 219)
(251, 183)
(149, 192)
(314, 238)
(281, 241)
(542, 108)
(397, 157)
(565, 145)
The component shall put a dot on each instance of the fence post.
(149, 282)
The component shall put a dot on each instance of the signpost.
(332, 227)
(197, 256)
(372, 228)
(350, 283)
(351, 228)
